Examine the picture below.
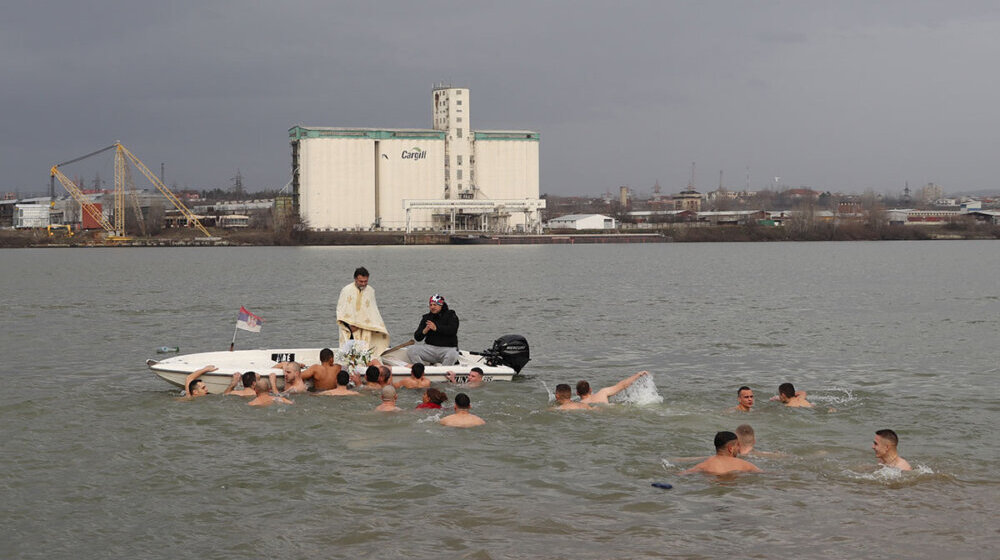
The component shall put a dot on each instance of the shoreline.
(13, 239)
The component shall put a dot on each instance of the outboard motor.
(510, 350)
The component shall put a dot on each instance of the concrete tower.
(451, 115)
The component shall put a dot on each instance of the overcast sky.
(840, 96)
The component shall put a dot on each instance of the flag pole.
(235, 330)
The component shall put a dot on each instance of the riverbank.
(678, 233)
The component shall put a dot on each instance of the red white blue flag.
(248, 321)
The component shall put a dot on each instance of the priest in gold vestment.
(358, 316)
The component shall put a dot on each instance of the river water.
(99, 458)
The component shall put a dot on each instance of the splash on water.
(643, 391)
(885, 474)
(843, 398)
(667, 465)
(552, 395)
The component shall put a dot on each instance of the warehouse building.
(449, 178)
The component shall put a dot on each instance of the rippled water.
(99, 459)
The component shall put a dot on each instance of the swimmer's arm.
(195, 375)
(232, 383)
(309, 372)
(621, 385)
(274, 382)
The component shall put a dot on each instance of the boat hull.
(175, 370)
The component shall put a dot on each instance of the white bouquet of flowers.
(354, 354)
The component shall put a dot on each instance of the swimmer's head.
(462, 401)
(475, 374)
(249, 378)
(435, 396)
(262, 386)
(885, 443)
(417, 370)
(371, 374)
(563, 392)
(384, 374)
(343, 378)
(744, 432)
(582, 388)
(786, 390)
(325, 355)
(197, 388)
(745, 396)
(292, 371)
(727, 441)
(388, 393)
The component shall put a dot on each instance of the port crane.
(124, 187)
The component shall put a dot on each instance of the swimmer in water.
(432, 398)
(323, 374)
(341, 390)
(790, 397)
(744, 400)
(744, 432)
(727, 447)
(475, 378)
(885, 450)
(462, 418)
(388, 404)
(564, 399)
(416, 380)
(371, 380)
(601, 396)
(293, 377)
(196, 387)
(264, 396)
(249, 379)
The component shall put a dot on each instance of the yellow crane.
(123, 185)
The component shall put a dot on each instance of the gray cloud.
(842, 96)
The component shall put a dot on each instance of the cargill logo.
(415, 153)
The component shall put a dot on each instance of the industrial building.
(448, 178)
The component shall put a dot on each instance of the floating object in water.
(167, 349)
(664, 485)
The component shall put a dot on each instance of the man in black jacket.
(437, 335)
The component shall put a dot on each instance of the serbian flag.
(248, 321)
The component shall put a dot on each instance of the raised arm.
(195, 375)
(622, 385)
(232, 383)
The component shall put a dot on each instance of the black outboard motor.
(510, 350)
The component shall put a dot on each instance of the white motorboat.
(502, 362)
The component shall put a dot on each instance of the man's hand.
(451, 376)
(430, 327)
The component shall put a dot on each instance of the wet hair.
(889, 435)
(582, 388)
(436, 396)
(192, 384)
(563, 391)
(371, 374)
(745, 431)
(325, 354)
(384, 374)
(343, 378)
(786, 389)
(361, 271)
(417, 370)
(462, 400)
(263, 385)
(722, 439)
(741, 389)
(479, 369)
(388, 393)
(248, 379)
